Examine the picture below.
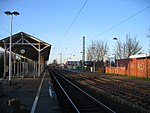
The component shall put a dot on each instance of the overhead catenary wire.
(17, 25)
(110, 28)
(74, 20)
(123, 21)
(4, 29)
(72, 23)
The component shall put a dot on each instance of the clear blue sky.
(49, 20)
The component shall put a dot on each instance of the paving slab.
(24, 91)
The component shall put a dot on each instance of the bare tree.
(55, 62)
(130, 47)
(97, 50)
(120, 49)
(133, 46)
(148, 35)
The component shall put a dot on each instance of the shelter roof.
(27, 46)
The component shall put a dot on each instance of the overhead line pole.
(83, 54)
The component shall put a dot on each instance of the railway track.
(137, 97)
(75, 100)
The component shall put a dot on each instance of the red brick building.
(137, 65)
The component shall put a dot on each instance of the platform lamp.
(117, 52)
(11, 18)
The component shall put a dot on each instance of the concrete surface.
(24, 91)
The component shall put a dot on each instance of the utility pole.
(83, 54)
(61, 60)
(116, 53)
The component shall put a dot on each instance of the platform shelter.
(29, 54)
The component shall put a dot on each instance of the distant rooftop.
(139, 56)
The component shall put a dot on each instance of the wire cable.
(74, 20)
(72, 23)
(123, 21)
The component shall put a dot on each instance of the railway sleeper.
(89, 105)
(127, 96)
(91, 110)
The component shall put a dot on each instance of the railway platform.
(29, 95)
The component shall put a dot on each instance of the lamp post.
(117, 52)
(94, 60)
(11, 18)
(146, 66)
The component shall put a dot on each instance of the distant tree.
(121, 49)
(97, 50)
(130, 47)
(55, 62)
(148, 35)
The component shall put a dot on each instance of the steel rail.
(103, 105)
(65, 93)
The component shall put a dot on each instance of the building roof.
(27, 46)
(139, 56)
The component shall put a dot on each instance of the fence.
(139, 67)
